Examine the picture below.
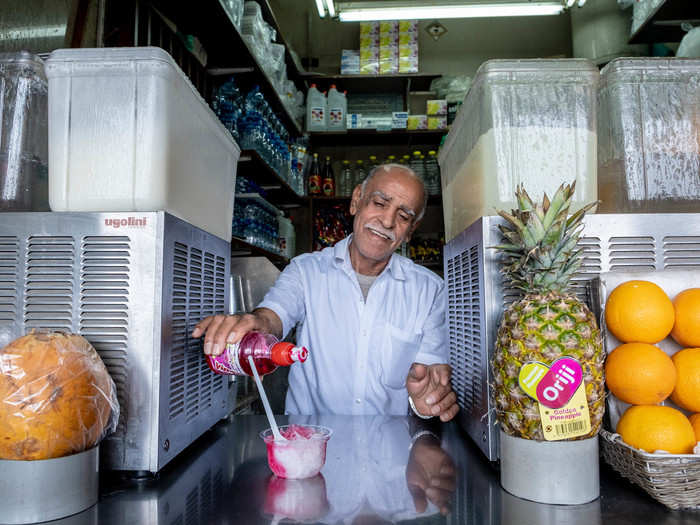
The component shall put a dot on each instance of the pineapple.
(541, 256)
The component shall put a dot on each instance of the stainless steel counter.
(223, 478)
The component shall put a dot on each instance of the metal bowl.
(48, 489)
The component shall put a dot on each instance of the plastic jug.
(267, 352)
(337, 110)
(316, 110)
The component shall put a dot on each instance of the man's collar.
(341, 256)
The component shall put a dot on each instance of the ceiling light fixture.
(331, 8)
(321, 9)
(359, 12)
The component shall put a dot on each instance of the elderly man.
(374, 321)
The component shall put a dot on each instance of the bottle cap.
(313, 85)
(332, 86)
(285, 354)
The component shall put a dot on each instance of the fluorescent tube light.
(321, 9)
(331, 8)
(361, 14)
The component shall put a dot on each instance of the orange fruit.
(651, 428)
(695, 421)
(640, 374)
(686, 393)
(686, 329)
(639, 312)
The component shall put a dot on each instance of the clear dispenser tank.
(523, 121)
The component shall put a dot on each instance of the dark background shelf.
(664, 24)
(251, 165)
(373, 83)
(240, 248)
(372, 137)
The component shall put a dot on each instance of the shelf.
(373, 83)
(322, 199)
(241, 248)
(664, 24)
(279, 192)
(227, 52)
(372, 137)
(255, 197)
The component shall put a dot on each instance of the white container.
(649, 136)
(288, 239)
(128, 132)
(337, 110)
(316, 110)
(530, 122)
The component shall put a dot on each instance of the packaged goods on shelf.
(437, 122)
(256, 223)
(316, 110)
(369, 48)
(23, 133)
(436, 107)
(350, 62)
(388, 47)
(331, 224)
(648, 145)
(354, 120)
(127, 131)
(287, 237)
(528, 122)
(417, 122)
(399, 120)
(337, 110)
(408, 46)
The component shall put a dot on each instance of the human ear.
(355, 201)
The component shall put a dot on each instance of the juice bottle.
(267, 351)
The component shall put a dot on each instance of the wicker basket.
(671, 479)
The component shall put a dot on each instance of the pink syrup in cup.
(302, 455)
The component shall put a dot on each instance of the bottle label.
(314, 184)
(227, 362)
(328, 187)
(561, 397)
(317, 116)
(335, 116)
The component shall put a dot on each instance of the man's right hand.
(220, 330)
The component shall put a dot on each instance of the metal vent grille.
(681, 252)
(201, 499)
(464, 299)
(630, 254)
(591, 265)
(198, 291)
(104, 307)
(9, 261)
(48, 300)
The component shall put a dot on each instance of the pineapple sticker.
(548, 362)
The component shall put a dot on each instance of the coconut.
(56, 397)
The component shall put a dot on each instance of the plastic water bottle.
(373, 163)
(360, 173)
(345, 185)
(418, 166)
(316, 110)
(267, 352)
(432, 173)
(337, 109)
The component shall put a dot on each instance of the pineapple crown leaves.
(540, 247)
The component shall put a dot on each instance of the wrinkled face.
(385, 216)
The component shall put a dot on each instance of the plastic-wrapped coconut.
(56, 397)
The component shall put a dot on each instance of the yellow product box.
(437, 122)
(417, 122)
(437, 107)
(406, 26)
(369, 28)
(389, 26)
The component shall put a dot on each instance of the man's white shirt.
(360, 351)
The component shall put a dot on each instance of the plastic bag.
(690, 45)
(56, 397)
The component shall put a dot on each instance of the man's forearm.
(269, 322)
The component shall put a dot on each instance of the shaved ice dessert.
(302, 500)
(302, 455)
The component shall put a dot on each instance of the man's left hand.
(429, 387)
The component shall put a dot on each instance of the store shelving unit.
(242, 248)
(664, 23)
(278, 191)
(371, 137)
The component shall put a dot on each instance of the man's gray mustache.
(388, 233)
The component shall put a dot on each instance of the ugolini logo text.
(126, 222)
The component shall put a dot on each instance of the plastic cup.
(298, 457)
(303, 500)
